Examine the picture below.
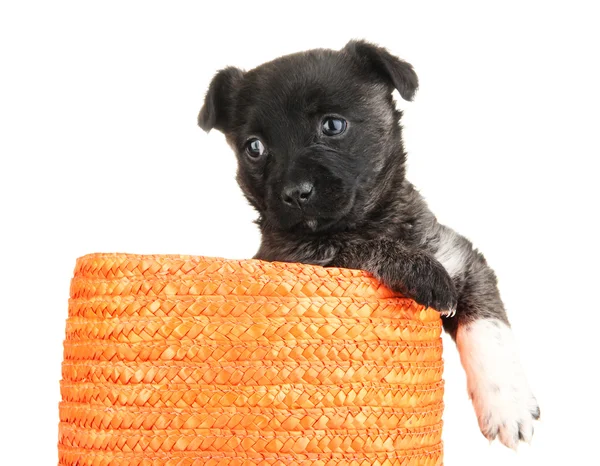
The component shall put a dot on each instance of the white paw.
(506, 411)
(497, 385)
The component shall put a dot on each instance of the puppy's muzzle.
(298, 195)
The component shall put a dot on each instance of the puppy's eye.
(334, 126)
(255, 148)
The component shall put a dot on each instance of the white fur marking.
(312, 224)
(450, 254)
(496, 382)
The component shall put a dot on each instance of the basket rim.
(198, 258)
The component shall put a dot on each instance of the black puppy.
(320, 157)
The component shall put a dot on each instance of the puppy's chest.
(409, 234)
(330, 246)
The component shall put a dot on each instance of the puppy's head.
(316, 133)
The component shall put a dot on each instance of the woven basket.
(180, 360)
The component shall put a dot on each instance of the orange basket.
(182, 360)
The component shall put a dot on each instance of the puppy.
(321, 158)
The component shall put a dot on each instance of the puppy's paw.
(506, 413)
(503, 402)
(426, 281)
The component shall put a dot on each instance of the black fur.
(363, 212)
(350, 205)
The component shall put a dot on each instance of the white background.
(100, 153)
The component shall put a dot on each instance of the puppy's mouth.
(315, 220)
(314, 225)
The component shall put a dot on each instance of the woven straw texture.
(182, 360)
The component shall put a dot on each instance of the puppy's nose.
(297, 195)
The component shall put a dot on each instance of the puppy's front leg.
(503, 402)
(414, 273)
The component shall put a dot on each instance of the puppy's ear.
(396, 72)
(218, 103)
